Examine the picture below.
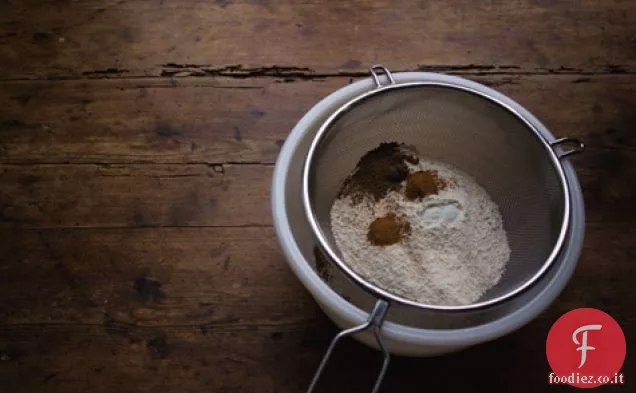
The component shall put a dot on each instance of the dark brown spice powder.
(423, 183)
(388, 230)
(379, 171)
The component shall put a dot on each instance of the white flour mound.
(456, 251)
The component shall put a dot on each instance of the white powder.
(456, 251)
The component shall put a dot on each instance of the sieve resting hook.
(578, 146)
(377, 70)
(376, 318)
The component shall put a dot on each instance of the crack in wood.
(290, 74)
(107, 71)
(236, 71)
(300, 73)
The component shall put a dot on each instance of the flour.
(456, 250)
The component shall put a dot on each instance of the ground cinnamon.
(381, 170)
(423, 183)
(388, 230)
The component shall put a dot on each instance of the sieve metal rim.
(388, 296)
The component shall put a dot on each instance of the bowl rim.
(393, 331)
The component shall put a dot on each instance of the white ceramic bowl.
(296, 241)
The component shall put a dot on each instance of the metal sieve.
(469, 130)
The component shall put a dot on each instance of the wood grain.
(220, 120)
(190, 325)
(215, 279)
(104, 360)
(58, 196)
(134, 195)
(262, 360)
(88, 38)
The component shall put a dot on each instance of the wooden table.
(137, 141)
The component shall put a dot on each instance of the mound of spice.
(388, 230)
(381, 170)
(421, 184)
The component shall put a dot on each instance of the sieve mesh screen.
(467, 131)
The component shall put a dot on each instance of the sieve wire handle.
(376, 318)
(578, 146)
(378, 69)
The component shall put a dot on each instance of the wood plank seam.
(292, 73)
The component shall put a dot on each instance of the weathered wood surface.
(220, 120)
(59, 196)
(136, 147)
(219, 277)
(174, 276)
(156, 309)
(89, 38)
(134, 195)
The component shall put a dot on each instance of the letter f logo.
(584, 347)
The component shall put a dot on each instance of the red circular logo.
(585, 348)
